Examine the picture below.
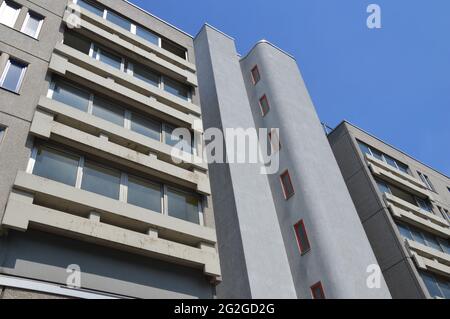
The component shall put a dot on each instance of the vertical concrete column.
(4, 57)
(21, 18)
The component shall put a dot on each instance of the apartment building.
(89, 100)
(404, 207)
(295, 233)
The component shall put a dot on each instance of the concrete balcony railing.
(412, 214)
(429, 259)
(114, 32)
(398, 178)
(118, 134)
(45, 126)
(46, 205)
(61, 65)
(78, 58)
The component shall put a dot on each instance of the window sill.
(10, 91)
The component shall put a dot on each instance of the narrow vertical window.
(264, 105)
(32, 24)
(2, 133)
(302, 237)
(426, 180)
(255, 75)
(317, 291)
(90, 7)
(9, 12)
(13, 75)
(286, 184)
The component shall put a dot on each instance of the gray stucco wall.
(253, 260)
(340, 251)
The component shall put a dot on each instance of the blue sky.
(392, 82)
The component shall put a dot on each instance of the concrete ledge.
(428, 252)
(105, 149)
(180, 73)
(430, 265)
(81, 119)
(136, 40)
(395, 179)
(401, 204)
(126, 79)
(60, 65)
(22, 215)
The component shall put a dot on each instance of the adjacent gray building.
(295, 233)
(404, 207)
(89, 99)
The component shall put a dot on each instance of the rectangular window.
(32, 24)
(286, 184)
(146, 127)
(71, 95)
(176, 88)
(424, 204)
(264, 105)
(177, 141)
(255, 75)
(174, 48)
(108, 58)
(13, 75)
(9, 12)
(118, 20)
(183, 205)
(89, 6)
(366, 149)
(108, 111)
(302, 237)
(426, 180)
(437, 287)
(77, 42)
(317, 291)
(145, 74)
(144, 194)
(404, 231)
(383, 187)
(56, 165)
(147, 35)
(101, 180)
(2, 133)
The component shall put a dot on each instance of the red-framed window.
(264, 105)
(317, 291)
(286, 185)
(302, 237)
(273, 139)
(255, 75)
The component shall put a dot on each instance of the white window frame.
(38, 30)
(123, 193)
(21, 77)
(3, 8)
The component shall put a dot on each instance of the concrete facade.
(256, 233)
(402, 260)
(123, 251)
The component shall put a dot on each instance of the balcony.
(98, 144)
(398, 178)
(113, 32)
(46, 205)
(429, 259)
(416, 216)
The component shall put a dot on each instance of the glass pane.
(417, 236)
(176, 141)
(144, 194)
(12, 80)
(404, 231)
(2, 132)
(90, 7)
(9, 13)
(445, 245)
(118, 20)
(110, 59)
(377, 154)
(173, 48)
(431, 284)
(445, 288)
(364, 148)
(264, 105)
(70, 95)
(425, 205)
(57, 166)
(108, 111)
(146, 75)
(146, 127)
(147, 35)
(77, 42)
(101, 180)
(32, 25)
(287, 185)
(432, 241)
(302, 238)
(182, 205)
(176, 88)
(390, 161)
(403, 167)
(383, 187)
